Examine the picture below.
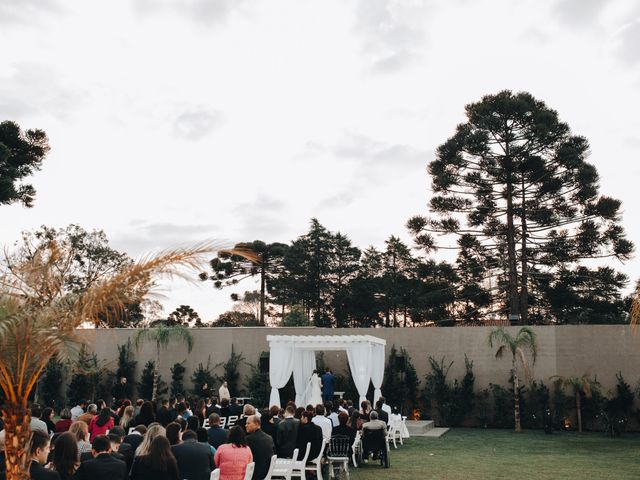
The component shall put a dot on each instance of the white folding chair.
(215, 475)
(315, 465)
(284, 466)
(392, 434)
(131, 430)
(248, 471)
(272, 465)
(298, 468)
(356, 449)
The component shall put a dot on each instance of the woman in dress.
(232, 457)
(315, 386)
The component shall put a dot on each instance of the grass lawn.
(475, 454)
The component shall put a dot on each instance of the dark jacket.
(164, 416)
(270, 429)
(217, 436)
(309, 433)
(126, 452)
(286, 435)
(235, 410)
(382, 415)
(195, 461)
(38, 472)
(345, 431)
(102, 467)
(143, 470)
(134, 440)
(262, 448)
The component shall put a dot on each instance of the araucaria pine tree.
(514, 178)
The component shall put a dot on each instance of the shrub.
(202, 375)
(450, 404)
(89, 380)
(145, 385)
(126, 367)
(50, 383)
(258, 385)
(400, 388)
(231, 373)
(537, 406)
(618, 408)
(177, 379)
(502, 406)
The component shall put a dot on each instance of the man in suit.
(216, 434)
(135, 439)
(287, 433)
(195, 461)
(311, 433)
(235, 410)
(164, 414)
(119, 448)
(383, 416)
(103, 466)
(261, 446)
(328, 384)
(39, 449)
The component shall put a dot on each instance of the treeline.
(322, 279)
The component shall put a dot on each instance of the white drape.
(303, 366)
(280, 367)
(377, 370)
(359, 355)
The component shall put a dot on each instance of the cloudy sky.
(177, 121)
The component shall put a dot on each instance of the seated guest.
(311, 433)
(46, 418)
(286, 433)
(235, 410)
(343, 407)
(356, 420)
(119, 448)
(135, 438)
(193, 423)
(372, 425)
(211, 407)
(384, 406)
(174, 433)
(365, 410)
(36, 423)
(382, 415)
(195, 460)
(232, 458)
(154, 430)
(65, 421)
(247, 411)
(323, 422)
(127, 420)
(78, 409)
(158, 463)
(65, 456)
(103, 466)
(216, 434)
(92, 411)
(275, 414)
(39, 451)
(261, 445)
(203, 437)
(164, 414)
(332, 411)
(343, 429)
(101, 423)
(350, 407)
(146, 416)
(80, 431)
(224, 408)
(268, 424)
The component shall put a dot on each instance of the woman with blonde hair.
(154, 430)
(126, 420)
(80, 431)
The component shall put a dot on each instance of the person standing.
(328, 385)
(314, 389)
(223, 391)
(119, 390)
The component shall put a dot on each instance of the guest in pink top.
(232, 458)
(100, 424)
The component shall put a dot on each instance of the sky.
(177, 121)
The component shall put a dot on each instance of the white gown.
(314, 390)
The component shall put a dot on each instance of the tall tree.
(229, 268)
(162, 335)
(21, 154)
(524, 340)
(39, 317)
(579, 386)
(515, 178)
(184, 316)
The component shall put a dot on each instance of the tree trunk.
(17, 425)
(511, 247)
(156, 368)
(579, 411)
(263, 282)
(524, 289)
(516, 396)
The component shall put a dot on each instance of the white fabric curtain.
(304, 363)
(280, 367)
(377, 370)
(359, 355)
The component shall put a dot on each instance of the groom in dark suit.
(328, 381)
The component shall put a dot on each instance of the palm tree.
(524, 340)
(39, 317)
(635, 308)
(579, 385)
(162, 334)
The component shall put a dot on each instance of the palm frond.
(525, 364)
(526, 338)
(500, 351)
(635, 311)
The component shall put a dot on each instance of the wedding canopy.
(297, 354)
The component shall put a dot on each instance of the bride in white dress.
(314, 389)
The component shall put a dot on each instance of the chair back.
(306, 455)
(248, 471)
(339, 446)
(374, 439)
(272, 466)
(215, 475)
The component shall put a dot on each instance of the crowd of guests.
(138, 442)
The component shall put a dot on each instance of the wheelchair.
(375, 441)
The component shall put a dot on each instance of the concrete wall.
(600, 350)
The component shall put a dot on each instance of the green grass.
(475, 454)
